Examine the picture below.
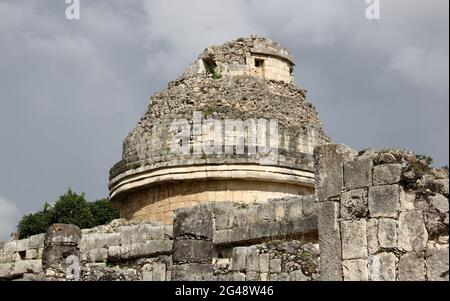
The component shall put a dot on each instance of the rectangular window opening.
(259, 63)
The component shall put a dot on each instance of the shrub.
(70, 208)
(103, 212)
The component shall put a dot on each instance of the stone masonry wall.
(382, 216)
(277, 240)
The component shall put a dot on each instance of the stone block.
(330, 241)
(355, 270)
(147, 276)
(10, 246)
(264, 230)
(240, 258)
(95, 241)
(302, 225)
(264, 277)
(280, 211)
(241, 218)
(113, 239)
(222, 237)
(97, 255)
(294, 209)
(37, 241)
(354, 239)
(387, 233)
(265, 213)
(275, 265)
(23, 245)
(354, 204)
(114, 252)
(310, 206)
(5, 257)
(159, 271)
(387, 174)
(406, 200)
(27, 266)
(280, 277)
(129, 235)
(150, 232)
(297, 275)
(384, 201)
(252, 260)
(188, 251)
(31, 254)
(411, 267)
(437, 258)
(238, 276)
(6, 269)
(196, 221)
(62, 234)
(192, 272)
(412, 233)
(224, 221)
(383, 267)
(264, 266)
(439, 202)
(358, 174)
(253, 276)
(329, 161)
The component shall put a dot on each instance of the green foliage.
(211, 69)
(34, 223)
(70, 208)
(426, 158)
(102, 212)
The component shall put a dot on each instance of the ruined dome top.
(246, 79)
(256, 56)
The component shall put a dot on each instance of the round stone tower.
(233, 127)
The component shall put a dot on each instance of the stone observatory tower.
(234, 127)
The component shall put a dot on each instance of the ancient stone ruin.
(248, 81)
(315, 211)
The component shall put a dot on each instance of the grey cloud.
(71, 91)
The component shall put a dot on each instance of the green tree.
(34, 223)
(71, 208)
(103, 212)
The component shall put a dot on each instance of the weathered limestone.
(387, 174)
(354, 204)
(384, 201)
(412, 233)
(412, 267)
(383, 267)
(437, 258)
(357, 174)
(387, 222)
(354, 239)
(355, 270)
(60, 244)
(330, 241)
(248, 80)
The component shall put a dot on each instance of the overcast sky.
(70, 91)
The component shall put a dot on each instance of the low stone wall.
(382, 216)
(201, 239)
(290, 260)
(19, 257)
(377, 216)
